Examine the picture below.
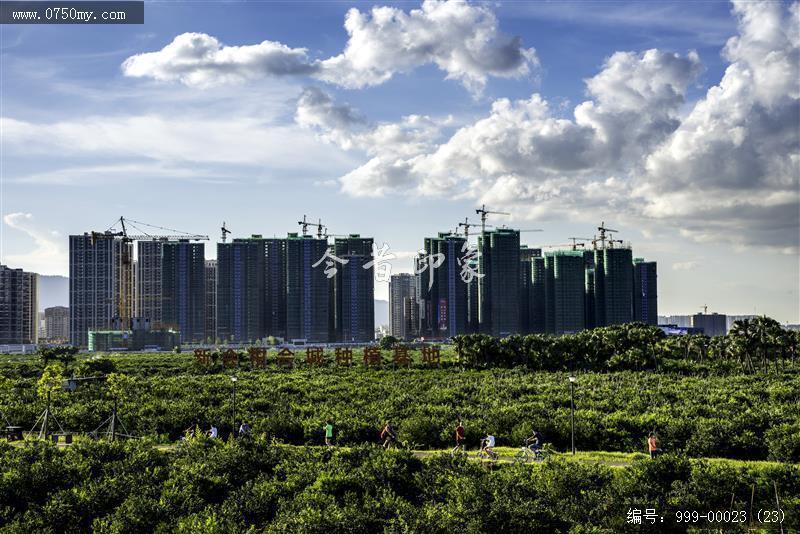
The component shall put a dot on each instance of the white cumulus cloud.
(726, 170)
(48, 255)
(461, 39)
(200, 60)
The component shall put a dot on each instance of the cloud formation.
(463, 40)
(200, 60)
(733, 166)
(524, 151)
(725, 171)
(49, 249)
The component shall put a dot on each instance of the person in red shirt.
(460, 437)
(652, 445)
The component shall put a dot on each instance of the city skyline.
(306, 122)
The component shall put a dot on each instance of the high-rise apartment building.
(498, 289)
(183, 289)
(308, 302)
(473, 324)
(443, 291)
(402, 304)
(645, 291)
(353, 290)
(613, 281)
(211, 300)
(56, 324)
(19, 318)
(100, 284)
(148, 281)
(275, 287)
(241, 279)
(538, 308)
(564, 291)
(526, 256)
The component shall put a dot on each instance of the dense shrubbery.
(746, 416)
(209, 486)
(753, 345)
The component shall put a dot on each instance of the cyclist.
(534, 442)
(487, 445)
(460, 437)
(244, 430)
(388, 435)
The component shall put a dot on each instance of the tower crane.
(305, 224)
(575, 244)
(467, 225)
(602, 228)
(125, 259)
(320, 228)
(484, 213)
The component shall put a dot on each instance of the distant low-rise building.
(683, 321)
(56, 324)
(133, 340)
(713, 324)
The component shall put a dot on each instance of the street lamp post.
(233, 411)
(572, 380)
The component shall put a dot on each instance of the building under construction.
(498, 287)
(526, 256)
(564, 282)
(100, 284)
(613, 285)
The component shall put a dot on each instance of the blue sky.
(86, 140)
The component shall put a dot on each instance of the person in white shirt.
(487, 444)
(212, 432)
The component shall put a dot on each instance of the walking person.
(652, 445)
(328, 433)
(388, 435)
(460, 438)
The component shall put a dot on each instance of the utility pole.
(233, 411)
(114, 421)
(572, 380)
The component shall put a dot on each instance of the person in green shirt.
(328, 433)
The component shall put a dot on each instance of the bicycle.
(485, 454)
(526, 454)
